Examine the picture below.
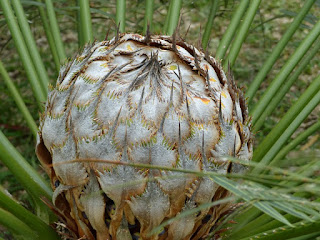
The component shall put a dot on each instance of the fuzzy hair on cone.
(153, 100)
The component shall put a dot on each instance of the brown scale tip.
(148, 35)
(107, 34)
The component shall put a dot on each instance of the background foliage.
(269, 25)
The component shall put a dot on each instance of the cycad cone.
(146, 100)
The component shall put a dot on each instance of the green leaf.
(43, 230)
(207, 31)
(290, 129)
(250, 222)
(85, 21)
(287, 232)
(166, 22)
(292, 211)
(286, 86)
(273, 142)
(49, 35)
(276, 51)
(31, 46)
(121, 15)
(21, 47)
(242, 34)
(28, 177)
(16, 226)
(232, 29)
(284, 73)
(19, 101)
(263, 206)
(296, 141)
(55, 30)
(148, 16)
(174, 14)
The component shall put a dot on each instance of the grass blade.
(23, 53)
(242, 34)
(55, 30)
(284, 73)
(31, 45)
(148, 16)
(174, 15)
(231, 30)
(206, 35)
(286, 86)
(85, 21)
(19, 101)
(121, 15)
(43, 230)
(277, 50)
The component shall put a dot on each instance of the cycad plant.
(146, 136)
